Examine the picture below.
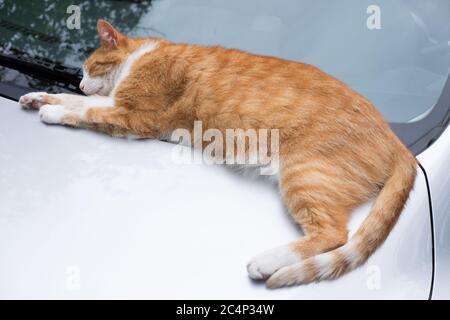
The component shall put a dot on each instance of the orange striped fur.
(336, 150)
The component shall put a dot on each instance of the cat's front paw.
(52, 114)
(32, 100)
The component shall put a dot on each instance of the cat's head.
(102, 68)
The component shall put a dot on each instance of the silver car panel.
(84, 215)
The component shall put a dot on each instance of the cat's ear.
(109, 37)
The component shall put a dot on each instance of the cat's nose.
(82, 87)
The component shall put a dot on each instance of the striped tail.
(370, 235)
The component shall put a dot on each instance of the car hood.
(84, 215)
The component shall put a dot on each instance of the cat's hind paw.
(264, 265)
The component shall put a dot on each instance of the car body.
(84, 215)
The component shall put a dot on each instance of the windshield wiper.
(41, 67)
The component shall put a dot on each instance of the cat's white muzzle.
(91, 86)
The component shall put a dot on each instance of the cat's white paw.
(264, 265)
(32, 100)
(52, 113)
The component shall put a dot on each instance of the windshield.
(396, 53)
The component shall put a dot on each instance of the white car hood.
(84, 215)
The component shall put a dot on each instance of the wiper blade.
(42, 67)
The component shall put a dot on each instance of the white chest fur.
(125, 69)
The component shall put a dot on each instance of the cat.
(336, 150)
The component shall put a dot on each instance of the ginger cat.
(336, 151)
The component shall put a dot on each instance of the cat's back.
(246, 84)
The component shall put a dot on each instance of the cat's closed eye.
(100, 68)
